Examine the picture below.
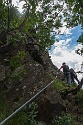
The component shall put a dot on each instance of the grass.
(59, 85)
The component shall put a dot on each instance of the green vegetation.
(25, 117)
(37, 23)
(59, 85)
(75, 17)
(34, 26)
(64, 119)
(4, 108)
(79, 98)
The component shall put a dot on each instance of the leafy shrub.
(65, 119)
(58, 85)
(79, 98)
(24, 117)
(4, 107)
(17, 60)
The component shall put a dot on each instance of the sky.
(64, 50)
(20, 5)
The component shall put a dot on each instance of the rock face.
(2, 72)
(38, 73)
(50, 105)
(20, 83)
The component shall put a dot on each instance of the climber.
(73, 76)
(66, 72)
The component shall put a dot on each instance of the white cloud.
(63, 51)
(18, 4)
(61, 54)
(78, 46)
(63, 43)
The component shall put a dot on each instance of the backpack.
(65, 68)
(72, 72)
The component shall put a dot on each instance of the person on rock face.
(73, 76)
(66, 72)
